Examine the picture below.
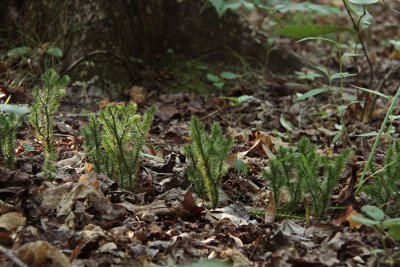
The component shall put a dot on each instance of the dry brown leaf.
(347, 216)
(190, 206)
(38, 253)
(136, 94)
(270, 212)
(11, 220)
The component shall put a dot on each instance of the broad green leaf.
(373, 92)
(394, 231)
(219, 85)
(228, 75)
(373, 212)
(369, 134)
(239, 165)
(286, 124)
(319, 39)
(230, 98)
(346, 55)
(310, 30)
(29, 147)
(222, 6)
(213, 78)
(337, 136)
(341, 108)
(360, 13)
(217, 5)
(18, 109)
(17, 52)
(341, 75)
(394, 117)
(364, 2)
(54, 51)
(312, 92)
(351, 98)
(306, 7)
(244, 98)
(390, 222)
(323, 69)
(365, 221)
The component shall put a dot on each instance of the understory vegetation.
(208, 159)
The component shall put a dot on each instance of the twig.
(391, 8)
(211, 114)
(393, 70)
(11, 256)
(102, 52)
(357, 28)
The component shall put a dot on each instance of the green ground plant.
(47, 100)
(297, 172)
(9, 123)
(384, 189)
(206, 155)
(383, 224)
(114, 139)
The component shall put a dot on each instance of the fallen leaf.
(165, 113)
(270, 212)
(190, 206)
(347, 216)
(11, 220)
(136, 94)
(38, 254)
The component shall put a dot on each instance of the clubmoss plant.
(298, 173)
(9, 123)
(384, 188)
(47, 100)
(114, 139)
(206, 155)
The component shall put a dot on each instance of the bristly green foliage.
(297, 172)
(114, 140)
(8, 130)
(206, 156)
(47, 100)
(384, 187)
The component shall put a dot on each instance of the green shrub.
(301, 171)
(47, 100)
(114, 139)
(206, 155)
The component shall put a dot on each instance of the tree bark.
(107, 39)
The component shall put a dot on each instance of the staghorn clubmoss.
(114, 139)
(298, 172)
(47, 100)
(206, 155)
(9, 123)
(384, 187)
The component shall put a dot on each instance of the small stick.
(211, 114)
(393, 70)
(11, 256)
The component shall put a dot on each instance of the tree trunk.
(106, 39)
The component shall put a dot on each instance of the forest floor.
(85, 219)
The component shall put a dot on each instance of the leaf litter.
(85, 219)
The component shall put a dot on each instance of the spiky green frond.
(114, 140)
(206, 156)
(47, 100)
(8, 130)
(297, 173)
(384, 187)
